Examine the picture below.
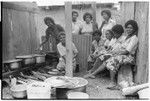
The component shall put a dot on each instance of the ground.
(96, 88)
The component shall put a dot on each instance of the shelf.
(6, 74)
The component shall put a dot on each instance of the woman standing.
(52, 31)
(107, 24)
(87, 26)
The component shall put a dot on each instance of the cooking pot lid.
(81, 82)
(25, 56)
(13, 60)
(61, 81)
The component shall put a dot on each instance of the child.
(61, 47)
(97, 45)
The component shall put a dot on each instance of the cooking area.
(74, 50)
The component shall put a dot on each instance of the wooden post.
(94, 15)
(68, 31)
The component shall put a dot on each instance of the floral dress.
(114, 62)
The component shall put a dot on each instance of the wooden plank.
(94, 15)
(21, 33)
(141, 16)
(21, 6)
(127, 9)
(6, 32)
(33, 33)
(68, 27)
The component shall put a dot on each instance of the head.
(49, 21)
(117, 30)
(74, 15)
(87, 17)
(97, 35)
(131, 27)
(109, 34)
(62, 37)
(106, 14)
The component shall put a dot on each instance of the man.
(76, 24)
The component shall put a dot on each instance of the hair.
(48, 18)
(87, 14)
(111, 32)
(134, 25)
(107, 12)
(97, 32)
(117, 29)
(61, 33)
(75, 12)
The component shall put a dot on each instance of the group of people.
(112, 46)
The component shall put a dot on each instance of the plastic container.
(39, 90)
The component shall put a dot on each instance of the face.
(74, 16)
(62, 39)
(96, 37)
(105, 16)
(49, 23)
(87, 19)
(129, 29)
(108, 35)
(116, 35)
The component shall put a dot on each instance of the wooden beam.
(94, 15)
(68, 31)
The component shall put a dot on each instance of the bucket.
(77, 95)
(39, 90)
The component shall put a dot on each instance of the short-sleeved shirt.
(76, 26)
(106, 27)
(62, 49)
(98, 46)
(86, 28)
(129, 44)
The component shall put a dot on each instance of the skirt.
(114, 62)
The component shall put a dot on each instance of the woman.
(52, 31)
(107, 24)
(87, 25)
(98, 65)
(125, 53)
(61, 47)
(97, 45)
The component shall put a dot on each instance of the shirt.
(107, 26)
(129, 44)
(76, 26)
(86, 28)
(62, 49)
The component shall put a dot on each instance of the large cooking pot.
(19, 91)
(27, 59)
(81, 86)
(39, 58)
(13, 64)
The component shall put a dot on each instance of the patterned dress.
(114, 62)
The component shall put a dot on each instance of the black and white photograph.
(74, 50)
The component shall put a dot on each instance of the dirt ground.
(96, 88)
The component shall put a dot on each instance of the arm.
(46, 39)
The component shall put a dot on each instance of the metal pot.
(13, 64)
(27, 59)
(39, 58)
(81, 86)
(19, 91)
